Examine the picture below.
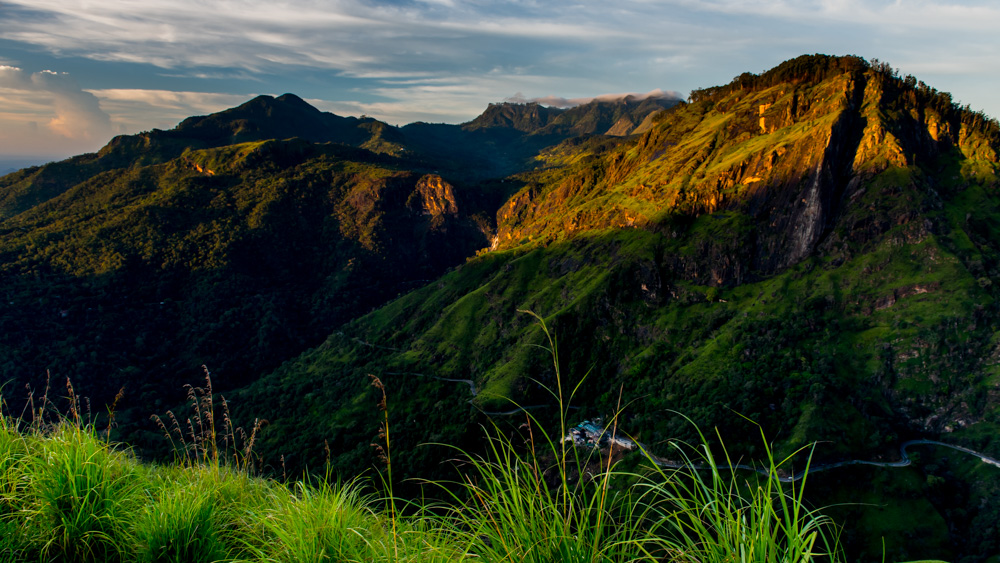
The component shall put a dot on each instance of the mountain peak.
(525, 117)
(267, 117)
(294, 101)
(603, 115)
(263, 107)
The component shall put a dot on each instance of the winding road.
(469, 382)
(475, 392)
(590, 434)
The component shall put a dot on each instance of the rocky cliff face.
(773, 175)
(794, 157)
(620, 118)
(436, 196)
(526, 118)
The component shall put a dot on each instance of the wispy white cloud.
(519, 27)
(227, 75)
(180, 33)
(444, 60)
(898, 15)
(359, 37)
(344, 34)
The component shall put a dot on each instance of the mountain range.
(812, 253)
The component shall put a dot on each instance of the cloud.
(560, 102)
(71, 117)
(177, 34)
(436, 101)
(890, 14)
(453, 37)
(346, 35)
(444, 60)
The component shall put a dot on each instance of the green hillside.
(814, 250)
(237, 257)
(236, 240)
(796, 248)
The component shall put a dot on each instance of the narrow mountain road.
(590, 434)
(469, 382)
(475, 393)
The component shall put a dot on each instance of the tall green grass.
(13, 455)
(512, 508)
(180, 523)
(66, 494)
(531, 508)
(711, 514)
(550, 501)
(81, 495)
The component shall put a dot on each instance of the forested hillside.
(813, 249)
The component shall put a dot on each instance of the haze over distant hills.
(9, 165)
(815, 249)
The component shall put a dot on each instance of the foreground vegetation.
(68, 495)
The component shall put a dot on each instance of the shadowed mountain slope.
(815, 249)
(237, 257)
(236, 240)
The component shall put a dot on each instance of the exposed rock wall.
(797, 158)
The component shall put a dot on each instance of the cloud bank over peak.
(46, 110)
(560, 102)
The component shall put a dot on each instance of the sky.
(74, 73)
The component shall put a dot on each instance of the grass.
(69, 495)
(714, 517)
(180, 523)
(532, 496)
(82, 493)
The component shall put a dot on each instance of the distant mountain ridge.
(287, 116)
(622, 117)
(312, 217)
